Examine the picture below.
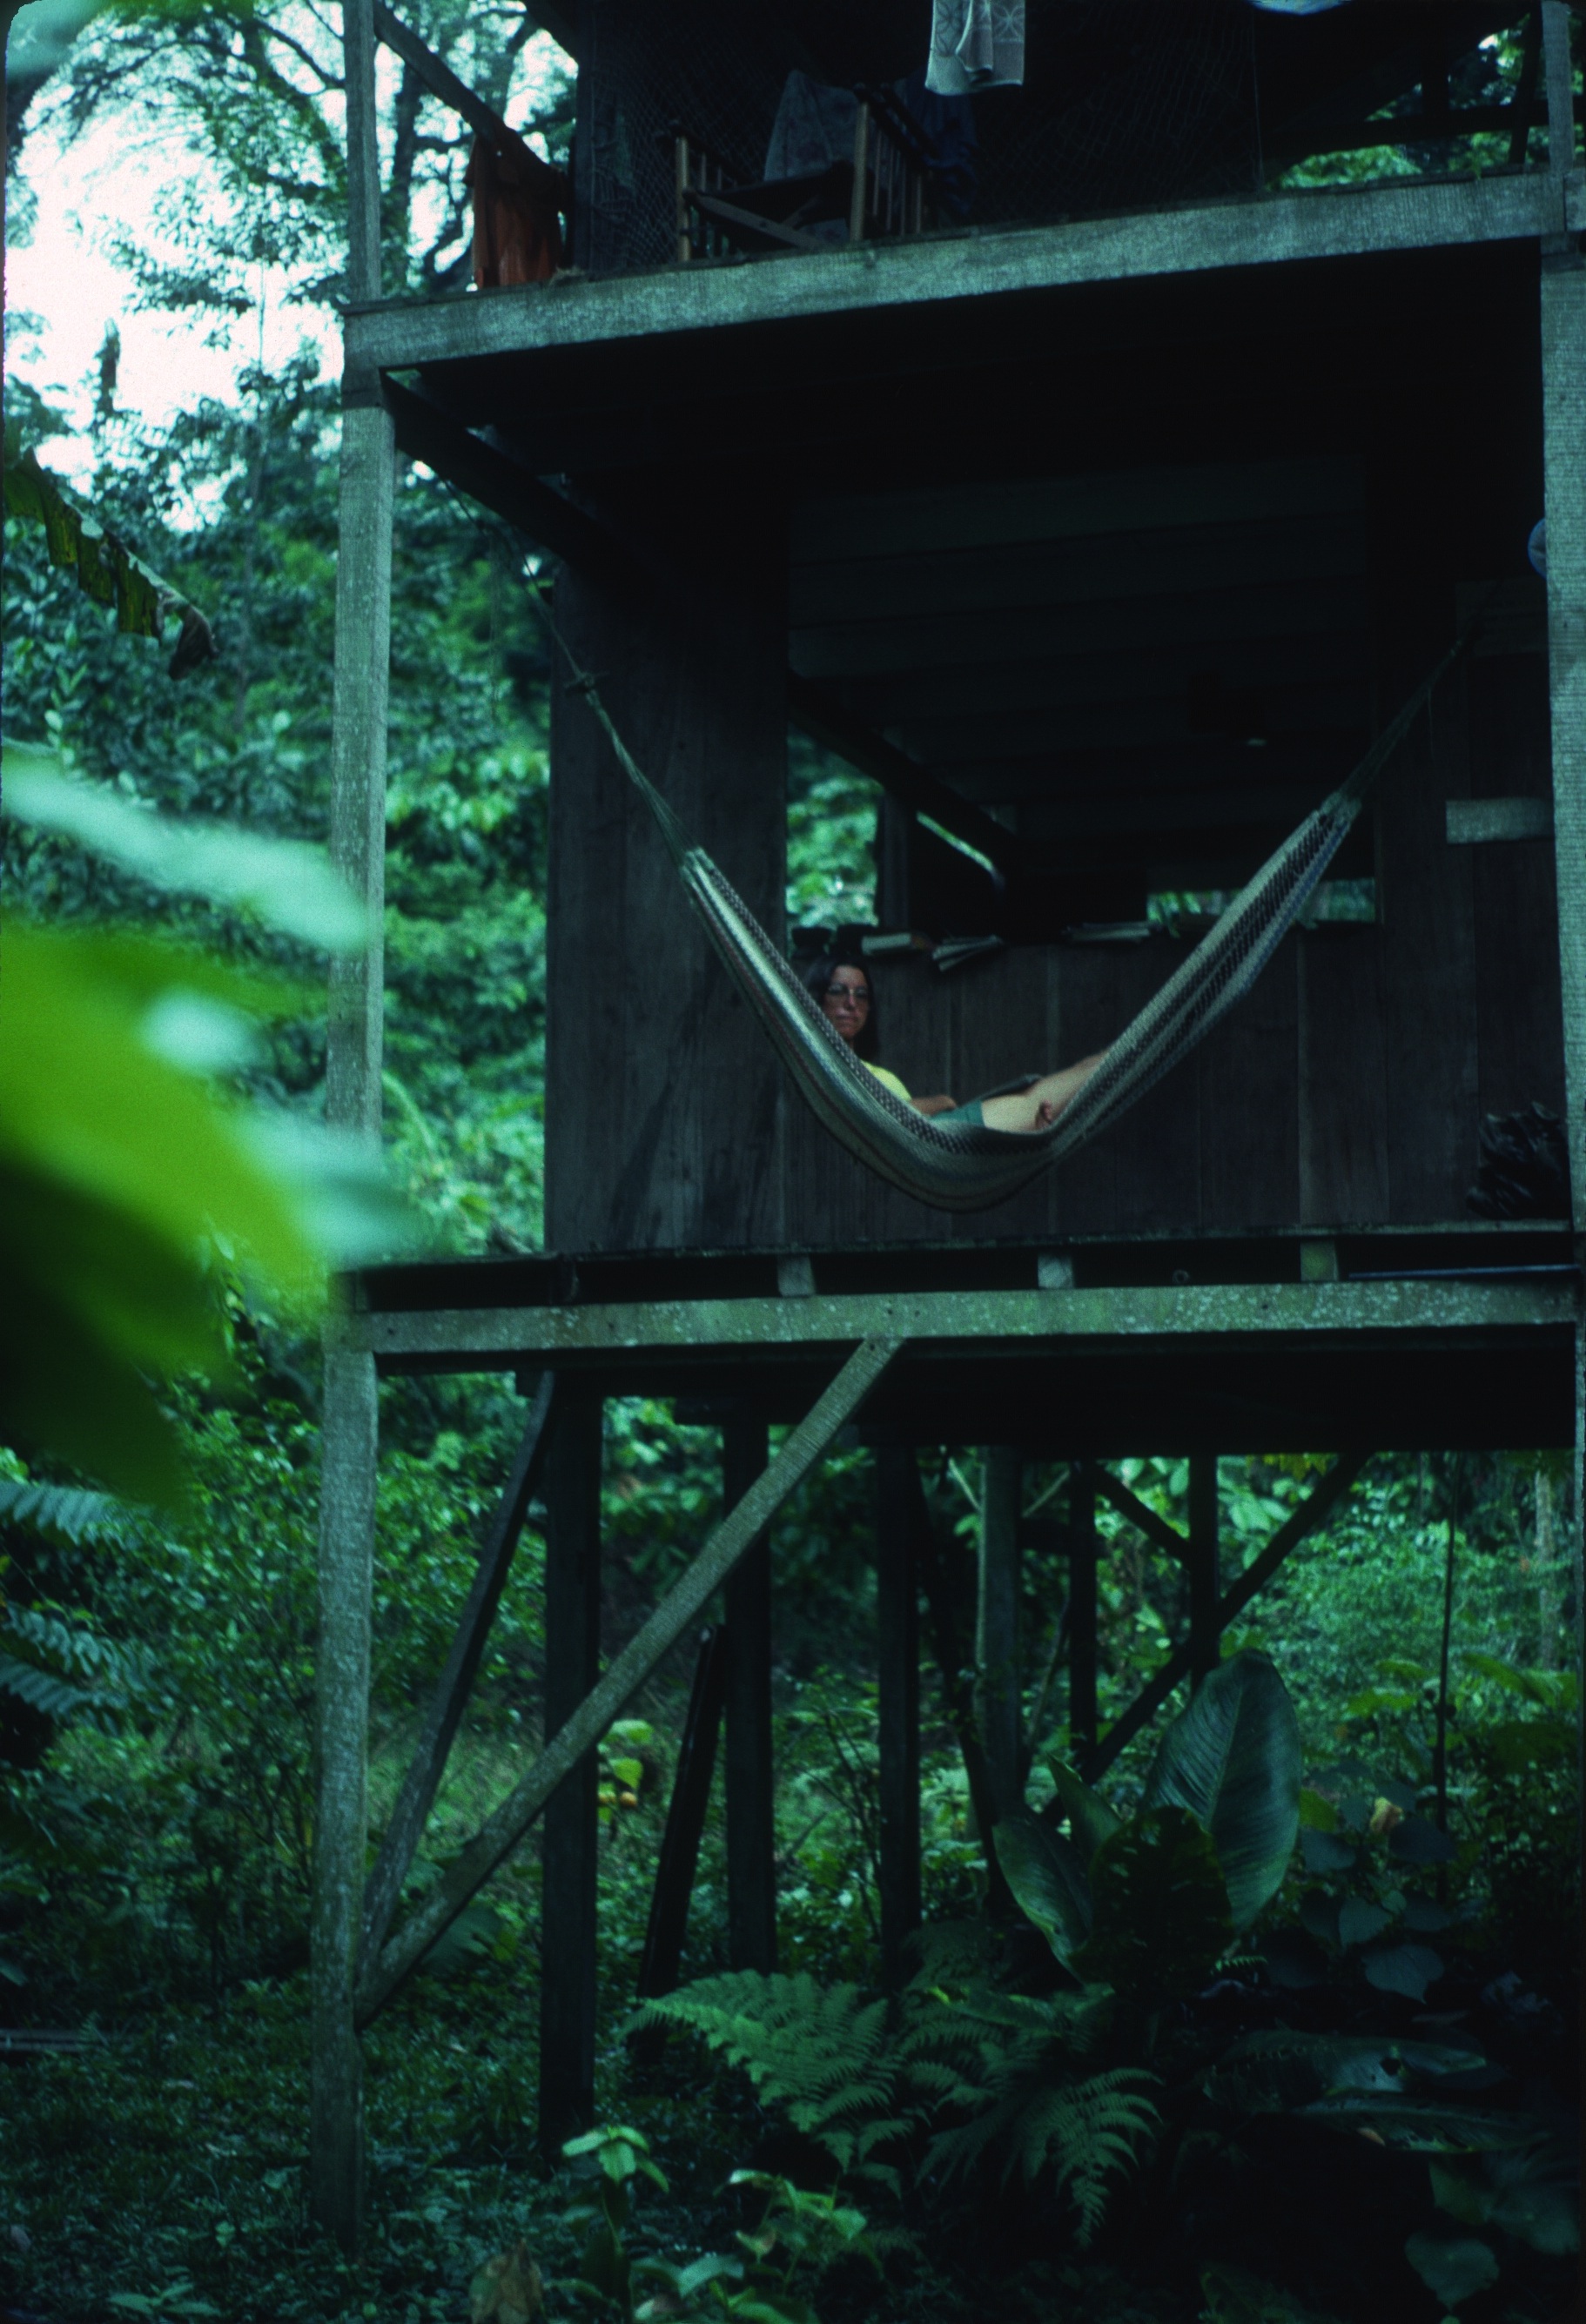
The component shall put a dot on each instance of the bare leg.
(1044, 1100)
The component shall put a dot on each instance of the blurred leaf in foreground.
(284, 881)
(124, 1169)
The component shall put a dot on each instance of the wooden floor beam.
(953, 272)
(1014, 1323)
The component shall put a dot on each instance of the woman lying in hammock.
(843, 987)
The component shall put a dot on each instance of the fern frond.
(818, 2055)
(1088, 2134)
(957, 2152)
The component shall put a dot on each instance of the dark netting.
(694, 65)
(1126, 102)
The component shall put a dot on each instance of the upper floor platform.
(544, 343)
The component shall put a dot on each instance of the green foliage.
(1088, 2135)
(1232, 1759)
(117, 1164)
(1146, 1905)
(831, 839)
(288, 885)
(1234, 2296)
(1491, 2168)
(1162, 1917)
(65, 1512)
(861, 2085)
(613, 2157)
(1091, 1821)
(821, 2056)
(799, 2233)
(1050, 1882)
(105, 570)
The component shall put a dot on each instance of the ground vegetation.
(1310, 2058)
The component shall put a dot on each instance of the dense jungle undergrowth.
(1280, 2023)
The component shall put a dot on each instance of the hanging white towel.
(975, 45)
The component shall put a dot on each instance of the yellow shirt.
(888, 1081)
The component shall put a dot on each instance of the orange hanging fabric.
(517, 228)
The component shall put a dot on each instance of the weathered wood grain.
(1249, 1076)
(569, 1863)
(663, 1101)
(1428, 953)
(1342, 1095)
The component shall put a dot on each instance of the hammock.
(959, 1166)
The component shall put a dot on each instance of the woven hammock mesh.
(962, 1166)
(1126, 102)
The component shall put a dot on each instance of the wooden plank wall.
(663, 1103)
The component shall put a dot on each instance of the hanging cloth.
(975, 45)
(957, 1165)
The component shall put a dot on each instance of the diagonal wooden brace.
(430, 1753)
(678, 1611)
(1329, 1491)
(1140, 1514)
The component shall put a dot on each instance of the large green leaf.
(1273, 2073)
(116, 1167)
(1089, 1818)
(1423, 2125)
(1455, 2267)
(1161, 1908)
(1232, 1759)
(285, 881)
(1532, 2192)
(1047, 1878)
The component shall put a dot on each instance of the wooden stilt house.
(1042, 455)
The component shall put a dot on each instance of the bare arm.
(1044, 1100)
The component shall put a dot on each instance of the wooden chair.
(886, 189)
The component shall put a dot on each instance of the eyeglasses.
(857, 994)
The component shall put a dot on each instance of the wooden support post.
(752, 1834)
(1563, 391)
(1564, 405)
(681, 1607)
(571, 1665)
(898, 1707)
(349, 1425)
(996, 1646)
(1205, 1641)
(1082, 1616)
(1561, 88)
(430, 1753)
(686, 1813)
(349, 1434)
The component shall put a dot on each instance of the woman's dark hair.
(819, 974)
